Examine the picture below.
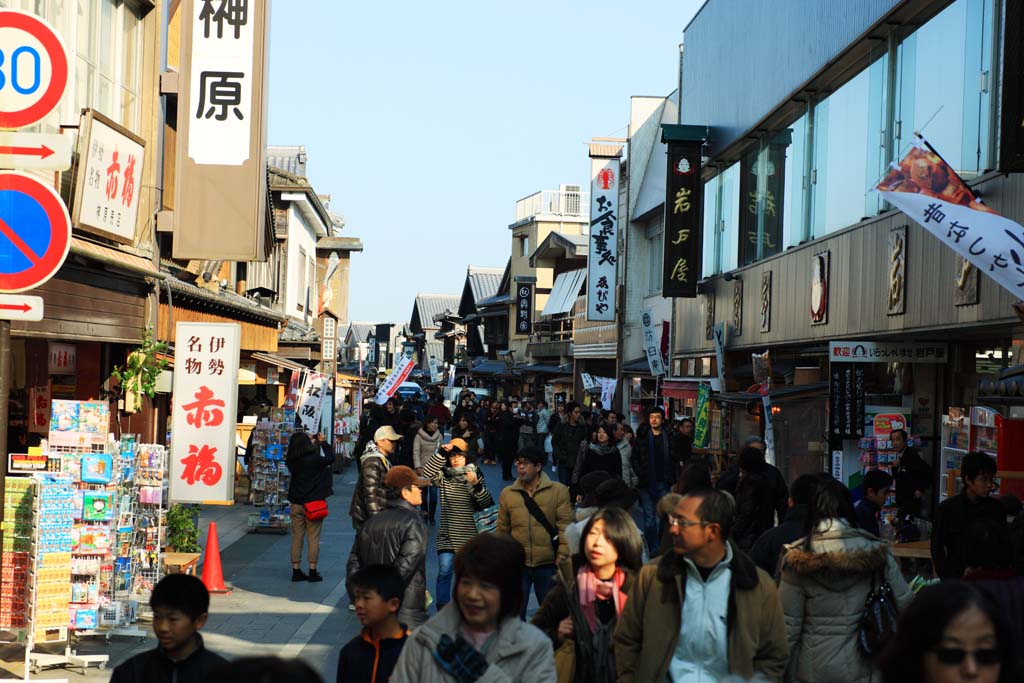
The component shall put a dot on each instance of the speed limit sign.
(33, 69)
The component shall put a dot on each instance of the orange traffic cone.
(213, 575)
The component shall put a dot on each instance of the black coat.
(641, 454)
(396, 536)
(780, 491)
(912, 474)
(755, 512)
(768, 546)
(954, 526)
(153, 666)
(311, 473)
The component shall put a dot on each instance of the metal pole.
(5, 390)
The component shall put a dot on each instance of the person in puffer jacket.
(826, 579)
(368, 498)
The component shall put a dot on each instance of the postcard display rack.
(270, 477)
(113, 504)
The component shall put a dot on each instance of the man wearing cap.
(535, 511)
(368, 499)
(397, 537)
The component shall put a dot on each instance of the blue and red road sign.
(35, 232)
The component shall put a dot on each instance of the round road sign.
(35, 232)
(33, 69)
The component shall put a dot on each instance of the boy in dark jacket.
(180, 606)
(370, 657)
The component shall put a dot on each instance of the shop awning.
(541, 368)
(564, 292)
(271, 359)
(491, 367)
(639, 366)
(676, 389)
(116, 258)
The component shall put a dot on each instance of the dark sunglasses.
(955, 656)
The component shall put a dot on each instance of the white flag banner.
(202, 467)
(652, 345)
(604, 239)
(607, 390)
(397, 376)
(451, 376)
(435, 371)
(925, 188)
(311, 402)
(588, 381)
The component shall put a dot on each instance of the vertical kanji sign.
(311, 402)
(206, 357)
(684, 203)
(524, 308)
(604, 238)
(221, 144)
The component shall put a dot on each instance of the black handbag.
(878, 622)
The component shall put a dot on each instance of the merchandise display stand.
(269, 478)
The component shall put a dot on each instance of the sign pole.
(5, 390)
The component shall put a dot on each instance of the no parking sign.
(35, 232)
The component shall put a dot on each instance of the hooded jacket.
(368, 498)
(649, 627)
(397, 537)
(823, 593)
(563, 601)
(515, 519)
(517, 651)
(424, 446)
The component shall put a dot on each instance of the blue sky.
(427, 121)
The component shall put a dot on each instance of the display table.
(918, 549)
(184, 562)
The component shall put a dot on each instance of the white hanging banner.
(451, 376)
(311, 402)
(652, 345)
(397, 376)
(924, 187)
(607, 390)
(435, 371)
(588, 381)
(604, 239)
(202, 466)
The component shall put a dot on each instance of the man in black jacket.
(180, 604)
(912, 474)
(956, 517)
(398, 537)
(768, 547)
(657, 466)
(780, 492)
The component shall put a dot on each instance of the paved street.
(266, 613)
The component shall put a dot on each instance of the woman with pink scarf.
(580, 611)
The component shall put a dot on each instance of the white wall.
(300, 236)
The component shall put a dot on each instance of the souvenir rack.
(269, 477)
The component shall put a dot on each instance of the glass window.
(654, 235)
(943, 79)
(709, 260)
(108, 61)
(328, 350)
(721, 222)
(329, 327)
(795, 184)
(844, 163)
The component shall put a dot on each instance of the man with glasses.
(704, 610)
(957, 516)
(535, 511)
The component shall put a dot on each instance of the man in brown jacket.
(539, 530)
(703, 610)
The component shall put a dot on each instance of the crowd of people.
(645, 561)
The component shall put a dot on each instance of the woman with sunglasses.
(950, 633)
(580, 612)
(827, 577)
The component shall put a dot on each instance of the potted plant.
(182, 532)
(138, 376)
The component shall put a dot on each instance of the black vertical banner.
(846, 401)
(524, 308)
(684, 223)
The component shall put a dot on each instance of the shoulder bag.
(878, 622)
(315, 510)
(538, 514)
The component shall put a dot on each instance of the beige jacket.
(515, 519)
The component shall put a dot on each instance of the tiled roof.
(429, 305)
(360, 331)
(484, 281)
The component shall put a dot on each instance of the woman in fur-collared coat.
(826, 579)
